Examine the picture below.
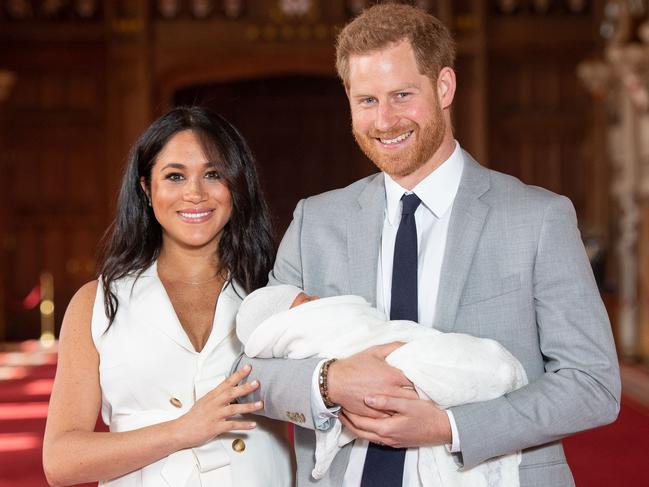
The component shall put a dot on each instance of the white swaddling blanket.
(449, 369)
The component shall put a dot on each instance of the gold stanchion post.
(47, 310)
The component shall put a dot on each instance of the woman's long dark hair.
(133, 240)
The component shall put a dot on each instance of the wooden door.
(54, 196)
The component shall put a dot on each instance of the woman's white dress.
(150, 373)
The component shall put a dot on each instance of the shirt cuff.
(323, 417)
(454, 447)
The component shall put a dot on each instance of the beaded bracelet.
(323, 383)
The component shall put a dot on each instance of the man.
(439, 239)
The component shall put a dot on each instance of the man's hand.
(410, 422)
(366, 374)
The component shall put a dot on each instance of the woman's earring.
(148, 200)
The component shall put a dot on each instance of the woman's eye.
(174, 176)
(212, 175)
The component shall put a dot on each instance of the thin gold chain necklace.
(190, 283)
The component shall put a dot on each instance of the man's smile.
(397, 139)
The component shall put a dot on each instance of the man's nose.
(386, 117)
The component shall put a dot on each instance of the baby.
(449, 369)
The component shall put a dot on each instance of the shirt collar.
(436, 191)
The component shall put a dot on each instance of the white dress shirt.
(437, 193)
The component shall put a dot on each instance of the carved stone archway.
(251, 66)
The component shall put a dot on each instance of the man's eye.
(368, 101)
(403, 94)
(174, 176)
(212, 175)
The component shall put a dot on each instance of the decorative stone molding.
(24, 10)
(541, 7)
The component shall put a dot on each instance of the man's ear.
(446, 87)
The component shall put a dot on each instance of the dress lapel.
(155, 308)
(465, 227)
(224, 319)
(364, 226)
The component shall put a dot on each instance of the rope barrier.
(29, 302)
(41, 296)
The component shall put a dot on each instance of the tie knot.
(410, 203)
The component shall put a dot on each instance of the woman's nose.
(194, 192)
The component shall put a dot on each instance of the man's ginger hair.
(382, 25)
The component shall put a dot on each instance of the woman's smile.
(195, 216)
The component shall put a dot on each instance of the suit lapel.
(364, 227)
(468, 216)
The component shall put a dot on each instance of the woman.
(152, 341)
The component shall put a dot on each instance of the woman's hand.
(210, 416)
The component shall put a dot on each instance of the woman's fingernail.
(259, 404)
(370, 401)
(247, 367)
(254, 383)
(253, 425)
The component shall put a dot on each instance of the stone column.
(623, 153)
(643, 302)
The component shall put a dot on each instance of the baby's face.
(302, 298)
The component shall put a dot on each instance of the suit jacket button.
(296, 417)
(175, 402)
(238, 445)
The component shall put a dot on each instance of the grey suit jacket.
(514, 270)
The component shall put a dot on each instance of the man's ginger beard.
(428, 138)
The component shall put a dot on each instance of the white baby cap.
(262, 304)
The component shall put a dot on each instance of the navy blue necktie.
(383, 464)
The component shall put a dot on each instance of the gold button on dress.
(238, 445)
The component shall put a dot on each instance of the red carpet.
(26, 377)
(616, 455)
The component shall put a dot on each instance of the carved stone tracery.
(621, 80)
